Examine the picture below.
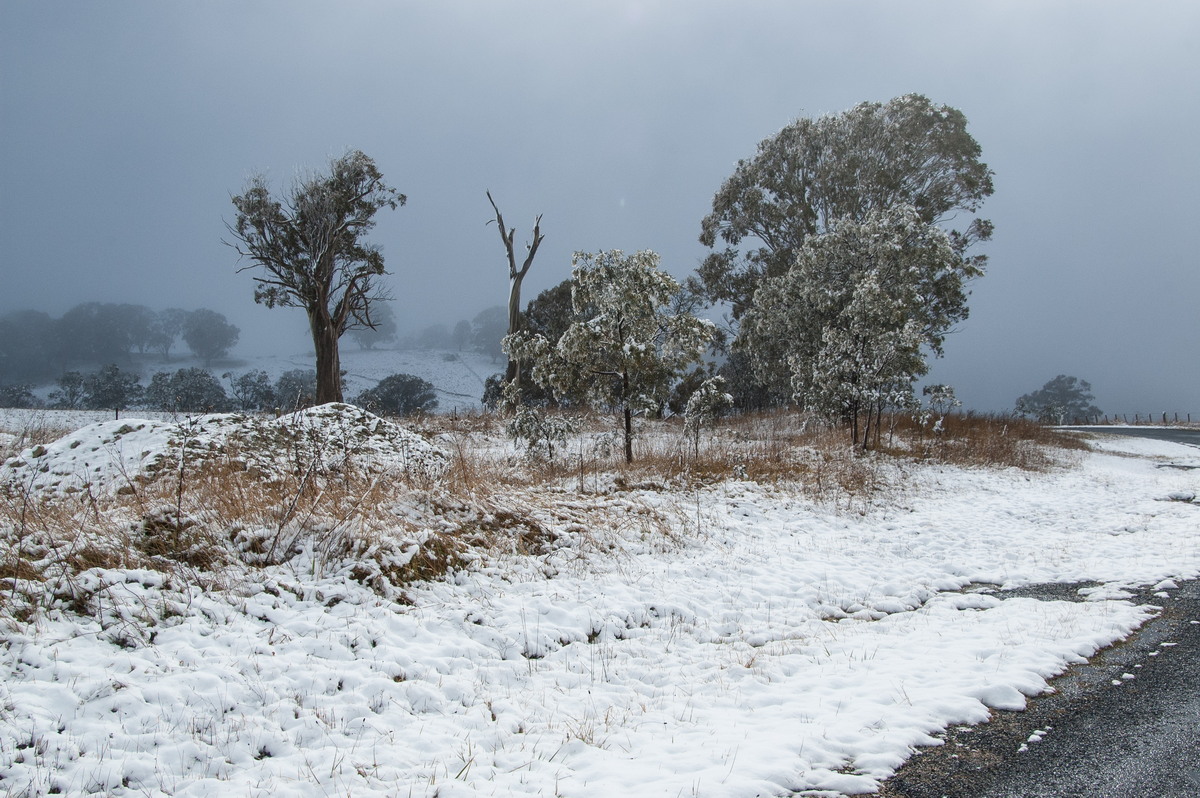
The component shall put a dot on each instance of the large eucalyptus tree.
(845, 166)
(308, 252)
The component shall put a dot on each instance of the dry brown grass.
(781, 446)
(983, 441)
(215, 520)
(211, 520)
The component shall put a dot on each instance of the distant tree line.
(198, 390)
(36, 347)
(482, 334)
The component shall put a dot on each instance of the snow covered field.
(736, 639)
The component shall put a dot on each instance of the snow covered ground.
(731, 640)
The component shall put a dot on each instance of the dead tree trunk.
(512, 372)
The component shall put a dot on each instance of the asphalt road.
(1174, 434)
(1102, 734)
(1125, 725)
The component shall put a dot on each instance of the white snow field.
(737, 639)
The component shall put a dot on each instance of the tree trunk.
(329, 362)
(852, 417)
(628, 435)
(512, 372)
(628, 419)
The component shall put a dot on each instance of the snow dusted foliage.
(627, 346)
(540, 431)
(704, 407)
(816, 172)
(939, 401)
(106, 457)
(850, 324)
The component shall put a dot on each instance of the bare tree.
(515, 276)
(310, 251)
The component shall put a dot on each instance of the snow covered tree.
(939, 401)
(846, 166)
(703, 408)
(1060, 400)
(626, 347)
(541, 431)
(111, 389)
(310, 251)
(868, 359)
(71, 392)
(849, 325)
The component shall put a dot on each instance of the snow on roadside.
(759, 645)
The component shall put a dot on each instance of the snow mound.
(107, 456)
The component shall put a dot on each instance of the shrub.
(399, 395)
(18, 396)
(252, 390)
(189, 390)
(296, 389)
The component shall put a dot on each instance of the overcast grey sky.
(125, 127)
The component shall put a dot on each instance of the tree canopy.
(815, 172)
(209, 334)
(849, 324)
(1061, 400)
